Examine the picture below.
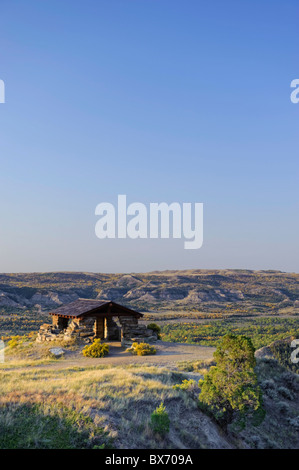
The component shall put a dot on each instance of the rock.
(264, 352)
(151, 339)
(56, 352)
(127, 343)
(85, 334)
(267, 352)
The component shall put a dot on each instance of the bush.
(188, 386)
(294, 422)
(160, 420)
(268, 387)
(268, 384)
(185, 385)
(283, 407)
(231, 386)
(271, 393)
(286, 393)
(96, 349)
(142, 349)
(15, 341)
(256, 442)
(291, 380)
(156, 328)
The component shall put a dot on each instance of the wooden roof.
(83, 307)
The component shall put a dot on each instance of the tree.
(160, 420)
(231, 387)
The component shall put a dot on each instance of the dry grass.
(118, 399)
(25, 348)
(200, 367)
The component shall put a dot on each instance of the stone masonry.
(88, 328)
(132, 332)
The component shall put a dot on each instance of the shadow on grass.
(42, 426)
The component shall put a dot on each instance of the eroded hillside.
(214, 291)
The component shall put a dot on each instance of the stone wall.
(132, 332)
(49, 333)
(76, 329)
(81, 329)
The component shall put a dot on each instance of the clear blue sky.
(161, 100)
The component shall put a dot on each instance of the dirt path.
(168, 354)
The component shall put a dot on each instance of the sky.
(161, 101)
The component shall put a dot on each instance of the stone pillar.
(128, 324)
(128, 327)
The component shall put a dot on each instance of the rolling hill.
(224, 291)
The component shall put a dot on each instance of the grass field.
(95, 406)
(52, 406)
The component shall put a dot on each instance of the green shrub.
(96, 349)
(15, 341)
(185, 385)
(142, 349)
(160, 420)
(231, 387)
(262, 331)
(156, 328)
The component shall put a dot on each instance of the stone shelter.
(87, 319)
